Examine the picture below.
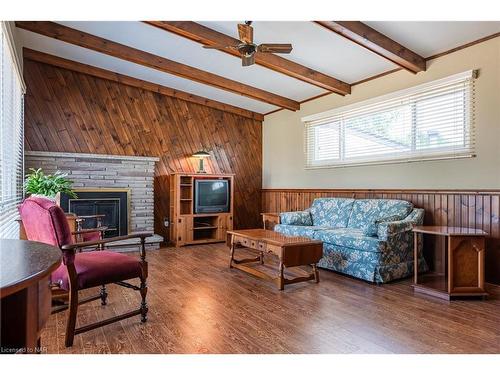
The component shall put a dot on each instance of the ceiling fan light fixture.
(247, 47)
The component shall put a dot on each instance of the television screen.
(212, 196)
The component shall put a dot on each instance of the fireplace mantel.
(50, 154)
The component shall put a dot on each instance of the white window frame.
(442, 153)
(12, 90)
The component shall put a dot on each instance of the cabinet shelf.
(201, 228)
(210, 215)
(186, 199)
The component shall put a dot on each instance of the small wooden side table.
(270, 219)
(25, 293)
(464, 274)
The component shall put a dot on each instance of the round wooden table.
(25, 267)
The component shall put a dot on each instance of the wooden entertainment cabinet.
(188, 228)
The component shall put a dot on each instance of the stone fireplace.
(121, 187)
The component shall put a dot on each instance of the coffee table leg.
(315, 272)
(281, 280)
(232, 254)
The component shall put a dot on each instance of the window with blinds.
(430, 121)
(11, 137)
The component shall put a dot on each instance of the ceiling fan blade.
(219, 46)
(246, 33)
(248, 60)
(275, 48)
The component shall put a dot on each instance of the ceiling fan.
(247, 47)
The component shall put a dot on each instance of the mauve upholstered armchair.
(46, 222)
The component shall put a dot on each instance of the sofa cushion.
(296, 218)
(371, 229)
(297, 230)
(351, 238)
(331, 212)
(367, 213)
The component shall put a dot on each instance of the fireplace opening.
(114, 205)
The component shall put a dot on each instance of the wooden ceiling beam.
(204, 35)
(75, 66)
(371, 39)
(121, 51)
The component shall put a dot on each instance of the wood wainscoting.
(68, 111)
(474, 209)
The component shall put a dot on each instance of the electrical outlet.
(166, 222)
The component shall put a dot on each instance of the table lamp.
(201, 155)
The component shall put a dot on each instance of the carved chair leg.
(103, 294)
(144, 305)
(71, 324)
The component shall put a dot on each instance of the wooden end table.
(291, 251)
(464, 273)
(270, 219)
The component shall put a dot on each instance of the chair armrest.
(392, 228)
(90, 230)
(90, 216)
(78, 245)
(296, 218)
(69, 250)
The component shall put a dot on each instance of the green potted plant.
(48, 185)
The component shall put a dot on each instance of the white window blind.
(430, 121)
(11, 138)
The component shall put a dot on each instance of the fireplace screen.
(112, 204)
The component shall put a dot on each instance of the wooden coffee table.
(291, 252)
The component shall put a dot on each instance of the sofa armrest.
(391, 228)
(296, 218)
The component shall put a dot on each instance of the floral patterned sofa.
(370, 239)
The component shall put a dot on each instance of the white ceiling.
(430, 38)
(313, 46)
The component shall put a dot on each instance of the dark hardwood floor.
(199, 305)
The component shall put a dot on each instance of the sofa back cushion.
(331, 212)
(296, 218)
(368, 213)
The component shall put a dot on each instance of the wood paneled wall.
(473, 209)
(67, 111)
